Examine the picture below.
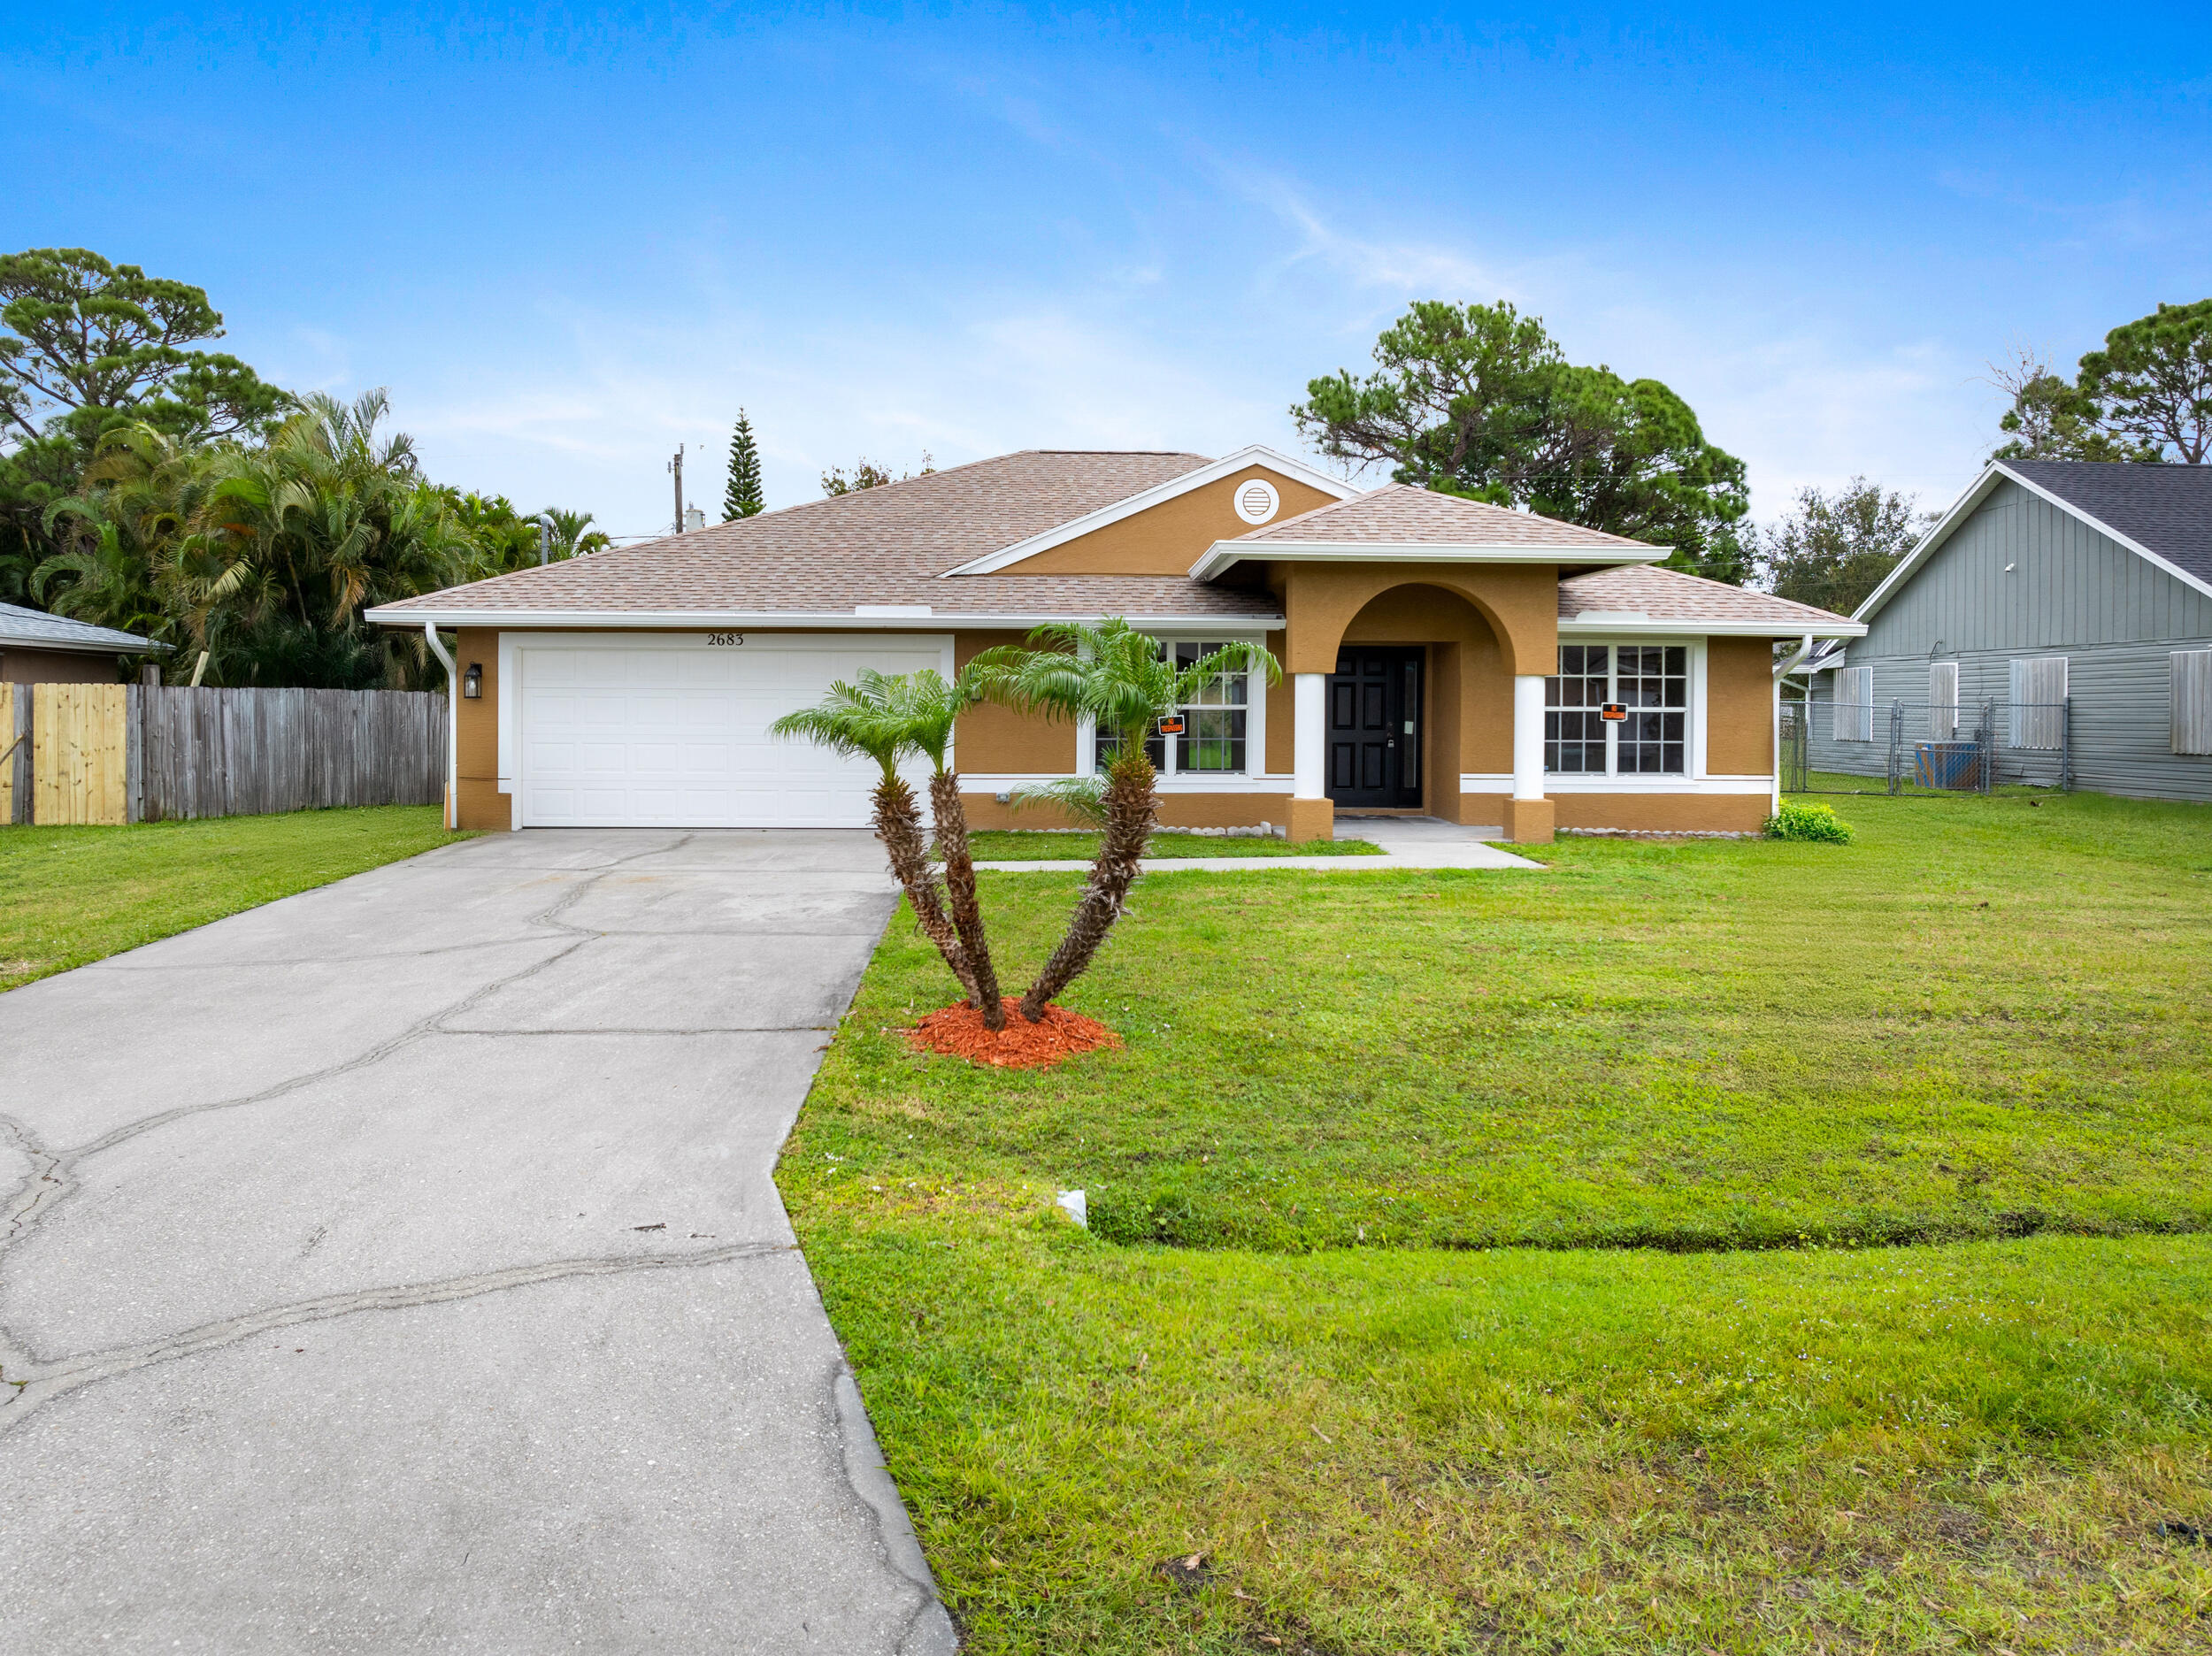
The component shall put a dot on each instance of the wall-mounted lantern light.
(473, 682)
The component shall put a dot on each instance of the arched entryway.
(1418, 688)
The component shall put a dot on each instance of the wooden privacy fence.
(142, 753)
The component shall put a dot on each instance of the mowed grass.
(1022, 844)
(70, 895)
(1984, 1019)
(1496, 1261)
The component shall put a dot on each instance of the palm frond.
(1083, 798)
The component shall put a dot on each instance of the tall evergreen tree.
(741, 498)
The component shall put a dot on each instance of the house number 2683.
(724, 638)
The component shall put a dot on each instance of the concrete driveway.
(396, 1267)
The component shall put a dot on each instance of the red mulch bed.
(958, 1033)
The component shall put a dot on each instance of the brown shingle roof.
(1398, 513)
(881, 545)
(1664, 595)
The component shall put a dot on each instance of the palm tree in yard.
(870, 720)
(885, 718)
(929, 708)
(1124, 682)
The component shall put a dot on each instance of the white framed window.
(1943, 700)
(1650, 682)
(1216, 724)
(2038, 714)
(1855, 704)
(2189, 684)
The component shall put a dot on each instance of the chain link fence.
(1926, 747)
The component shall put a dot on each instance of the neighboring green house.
(2062, 612)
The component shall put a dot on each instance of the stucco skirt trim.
(1166, 785)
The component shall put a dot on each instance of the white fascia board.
(1213, 472)
(1630, 627)
(830, 621)
(1223, 554)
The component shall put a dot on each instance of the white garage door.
(675, 733)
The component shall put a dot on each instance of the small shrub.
(1796, 821)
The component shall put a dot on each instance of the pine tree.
(741, 498)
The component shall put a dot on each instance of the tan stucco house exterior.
(1440, 657)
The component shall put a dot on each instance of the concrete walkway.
(396, 1267)
(1407, 842)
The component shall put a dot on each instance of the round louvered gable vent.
(1257, 502)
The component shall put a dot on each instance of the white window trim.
(1171, 781)
(1939, 728)
(2036, 727)
(2189, 698)
(1693, 732)
(1837, 707)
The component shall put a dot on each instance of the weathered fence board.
(133, 753)
(237, 752)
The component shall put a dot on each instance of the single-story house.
(1440, 657)
(2064, 610)
(40, 648)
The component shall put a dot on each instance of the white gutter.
(1224, 555)
(1641, 624)
(790, 620)
(452, 728)
(1780, 673)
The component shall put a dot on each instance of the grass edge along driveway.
(1375, 1443)
(71, 896)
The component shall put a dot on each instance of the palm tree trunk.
(899, 825)
(967, 910)
(1130, 805)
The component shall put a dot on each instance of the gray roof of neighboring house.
(34, 629)
(1399, 514)
(2163, 509)
(882, 547)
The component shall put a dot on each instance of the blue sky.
(567, 241)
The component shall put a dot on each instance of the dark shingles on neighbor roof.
(888, 545)
(2162, 509)
(34, 629)
(1399, 514)
(1670, 595)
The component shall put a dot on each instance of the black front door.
(1375, 727)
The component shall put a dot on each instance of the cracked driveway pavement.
(397, 1267)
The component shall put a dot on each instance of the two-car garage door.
(673, 732)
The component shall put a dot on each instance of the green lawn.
(70, 895)
(1492, 1261)
(1022, 845)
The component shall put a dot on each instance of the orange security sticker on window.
(1172, 725)
(1613, 712)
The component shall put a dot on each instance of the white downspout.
(453, 728)
(1774, 805)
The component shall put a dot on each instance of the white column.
(1309, 734)
(1528, 736)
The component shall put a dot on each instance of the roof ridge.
(873, 489)
(1272, 530)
